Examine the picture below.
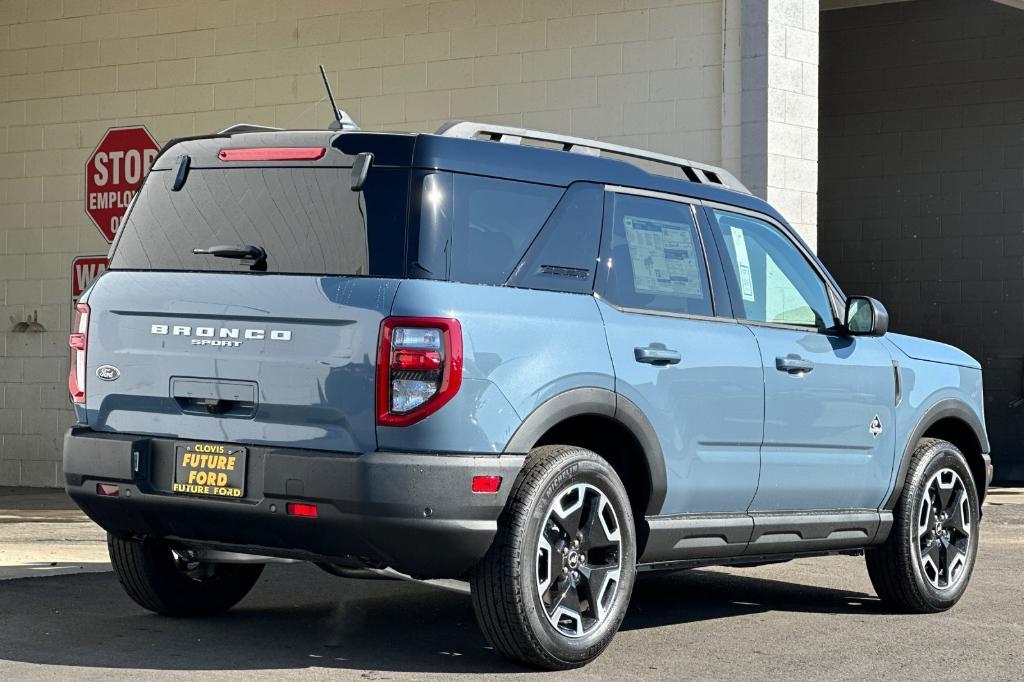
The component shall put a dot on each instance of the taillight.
(79, 342)
(419, 367)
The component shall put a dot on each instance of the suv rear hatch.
(227, 349)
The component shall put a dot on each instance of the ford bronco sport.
(534, 363)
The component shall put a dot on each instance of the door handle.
(794, 364)
(654, 355)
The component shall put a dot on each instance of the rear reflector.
(298, 509)
(107, 490)
(486, 484)
(272, 154)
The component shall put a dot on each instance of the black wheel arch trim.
(943, 409)
(602, 402)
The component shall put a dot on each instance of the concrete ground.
(63, 615)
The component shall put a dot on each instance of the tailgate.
(271, 359)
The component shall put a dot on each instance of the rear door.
(221, 349)
(829, 398)
(696, 376)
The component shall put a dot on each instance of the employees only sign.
(114, 172)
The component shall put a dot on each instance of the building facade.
(729, 82)
(922, 182)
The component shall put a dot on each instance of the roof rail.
(239, 128)
(694, 172)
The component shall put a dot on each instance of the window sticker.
(743, 264)
(663, 256)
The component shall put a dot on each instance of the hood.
(932, 351)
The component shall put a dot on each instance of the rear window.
(306, 219)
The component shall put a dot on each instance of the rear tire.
(161, 579)
(554, 587)
(927, 560)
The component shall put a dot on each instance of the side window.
(653, 258)
(776, 283)
(563, 257)
(493, 223)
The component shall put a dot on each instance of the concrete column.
(774, 53)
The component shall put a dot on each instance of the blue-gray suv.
(535, 364)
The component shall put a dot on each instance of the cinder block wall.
(922, 182)
(641, 72)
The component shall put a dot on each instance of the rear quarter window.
(493, 223)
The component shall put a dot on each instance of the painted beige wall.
(641, 72)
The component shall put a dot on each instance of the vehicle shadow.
(697, 595)
(298, 618)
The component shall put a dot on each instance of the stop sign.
(113, 173)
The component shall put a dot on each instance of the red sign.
(84, 270)
(113, 174)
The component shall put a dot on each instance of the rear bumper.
(412, 512)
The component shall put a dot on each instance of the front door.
(697, 377)
(829, 398)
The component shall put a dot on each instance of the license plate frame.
(204, 469)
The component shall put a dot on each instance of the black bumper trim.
(412, 512)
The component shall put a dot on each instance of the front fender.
(942, 409)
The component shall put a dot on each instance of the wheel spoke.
(567, 598)
(926, 518)
(934, 552)
(545, 565)
(568, 511)
(946, 492)
(596, 534)
(597, 580)
(595, 574)
(958, 514)
(951, 563)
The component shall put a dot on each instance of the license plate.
(209, 469)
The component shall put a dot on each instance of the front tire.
(554, 587)
(927, 560)
(165, 580)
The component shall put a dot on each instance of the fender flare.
(943, 409)
(601, 402)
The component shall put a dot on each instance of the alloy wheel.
(579, 557)
(944, 530)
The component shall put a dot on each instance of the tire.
(160, 580)
(927, 560)
(516, 587)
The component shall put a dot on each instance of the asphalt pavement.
(810, 618)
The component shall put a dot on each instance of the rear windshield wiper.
(248, 252)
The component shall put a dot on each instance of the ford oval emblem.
(108, 372)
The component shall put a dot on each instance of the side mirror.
(360, 169)
(866, 317)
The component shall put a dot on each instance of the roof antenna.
(342, 121)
